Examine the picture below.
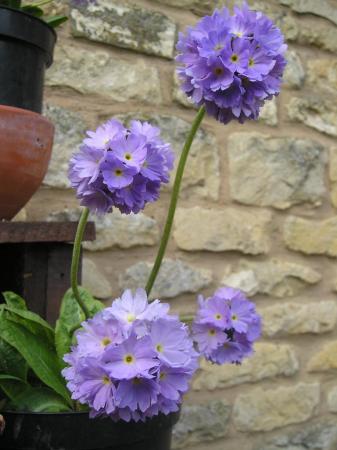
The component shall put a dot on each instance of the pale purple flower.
(116, 175)
(130, 150)
(232, 351)
(120, 167)
(130, 308)
(97, 200)
(137, 393)
(222, 58)
(98, 333)
(101, 138)
(93, 386)
(173, 382)
(133, 358)
(216, 312)
(226, 326)
(118, 370)
(171, 342)
(208, 337)
(88, 162)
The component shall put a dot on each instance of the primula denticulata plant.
(133, 360)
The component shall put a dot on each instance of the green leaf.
(40, 399)
(39, 356)
(11, 362)
(14, 300)
(33, 322)
(12, 386)
(71, 317)
(11, 3)
(55, 21)
(33, 10)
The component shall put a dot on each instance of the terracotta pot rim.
(23, 112)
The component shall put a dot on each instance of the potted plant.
(27, 40)
(113, 378)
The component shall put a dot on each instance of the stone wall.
(257, 209)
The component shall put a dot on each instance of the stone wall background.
(257, 209)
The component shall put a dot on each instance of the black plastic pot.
(75, 431)
(26, 50)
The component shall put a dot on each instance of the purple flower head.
(131, 361)
(223, 56)
(226, 326)
(120, 167)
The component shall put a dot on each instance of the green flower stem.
(76, 259)
(40, 3)
(187, 319)
(174, 199)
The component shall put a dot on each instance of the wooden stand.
(35, 259)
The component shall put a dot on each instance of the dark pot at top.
(26, 50)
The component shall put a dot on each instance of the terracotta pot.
(26, 140)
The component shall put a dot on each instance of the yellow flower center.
(218, 47)
(251, 62)
(218, 71)
(159, 348)
(105, 341)
(211, 332)
(234, 58)
(162, 376)
(118, 172)
(106, 380)
(131, 318)
(234, 317)
(128, 156)
(137, 381)
(218, 316)
(129, 359)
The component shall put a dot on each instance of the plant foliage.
(35, 9)
(31, 353)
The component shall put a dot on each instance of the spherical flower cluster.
(132, 360)
(226, 326)
(232, 64)
(119, 167)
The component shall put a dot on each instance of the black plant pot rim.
(17, 24)
(32, 413)
(80, 413)
(76, 431)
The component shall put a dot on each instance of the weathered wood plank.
(20, 232)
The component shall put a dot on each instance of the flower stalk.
(76, 259)
(174, 199)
